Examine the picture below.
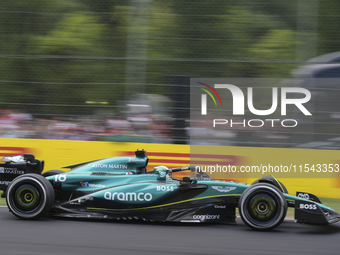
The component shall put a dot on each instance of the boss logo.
(308, 206)
(165, 188)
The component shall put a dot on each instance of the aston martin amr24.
(121, 188)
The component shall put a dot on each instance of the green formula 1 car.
(120, 188)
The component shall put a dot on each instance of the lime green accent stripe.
(279, 184)
(156, 206)
(209, 95)
(28, 200)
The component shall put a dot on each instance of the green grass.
(2, 201)
(332, 203)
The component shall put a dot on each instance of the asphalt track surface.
(50, 236)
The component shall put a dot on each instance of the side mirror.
(188, 180)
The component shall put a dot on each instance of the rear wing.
(14, 166)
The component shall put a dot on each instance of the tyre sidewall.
(276, 194)
(46, 194)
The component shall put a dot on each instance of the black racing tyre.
(262, 206)
(30, 196)
(52, 172)
(272, 180)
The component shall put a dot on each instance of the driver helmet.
(160, 168)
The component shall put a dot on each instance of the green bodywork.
(117, 179)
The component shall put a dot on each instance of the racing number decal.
(60, 178)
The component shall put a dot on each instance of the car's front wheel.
(30, 196)
(262, 206)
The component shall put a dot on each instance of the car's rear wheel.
(30, 196)
(262, 206)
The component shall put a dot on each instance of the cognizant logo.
(239, 105)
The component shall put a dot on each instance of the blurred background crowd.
(143, 129)
(115, 70)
